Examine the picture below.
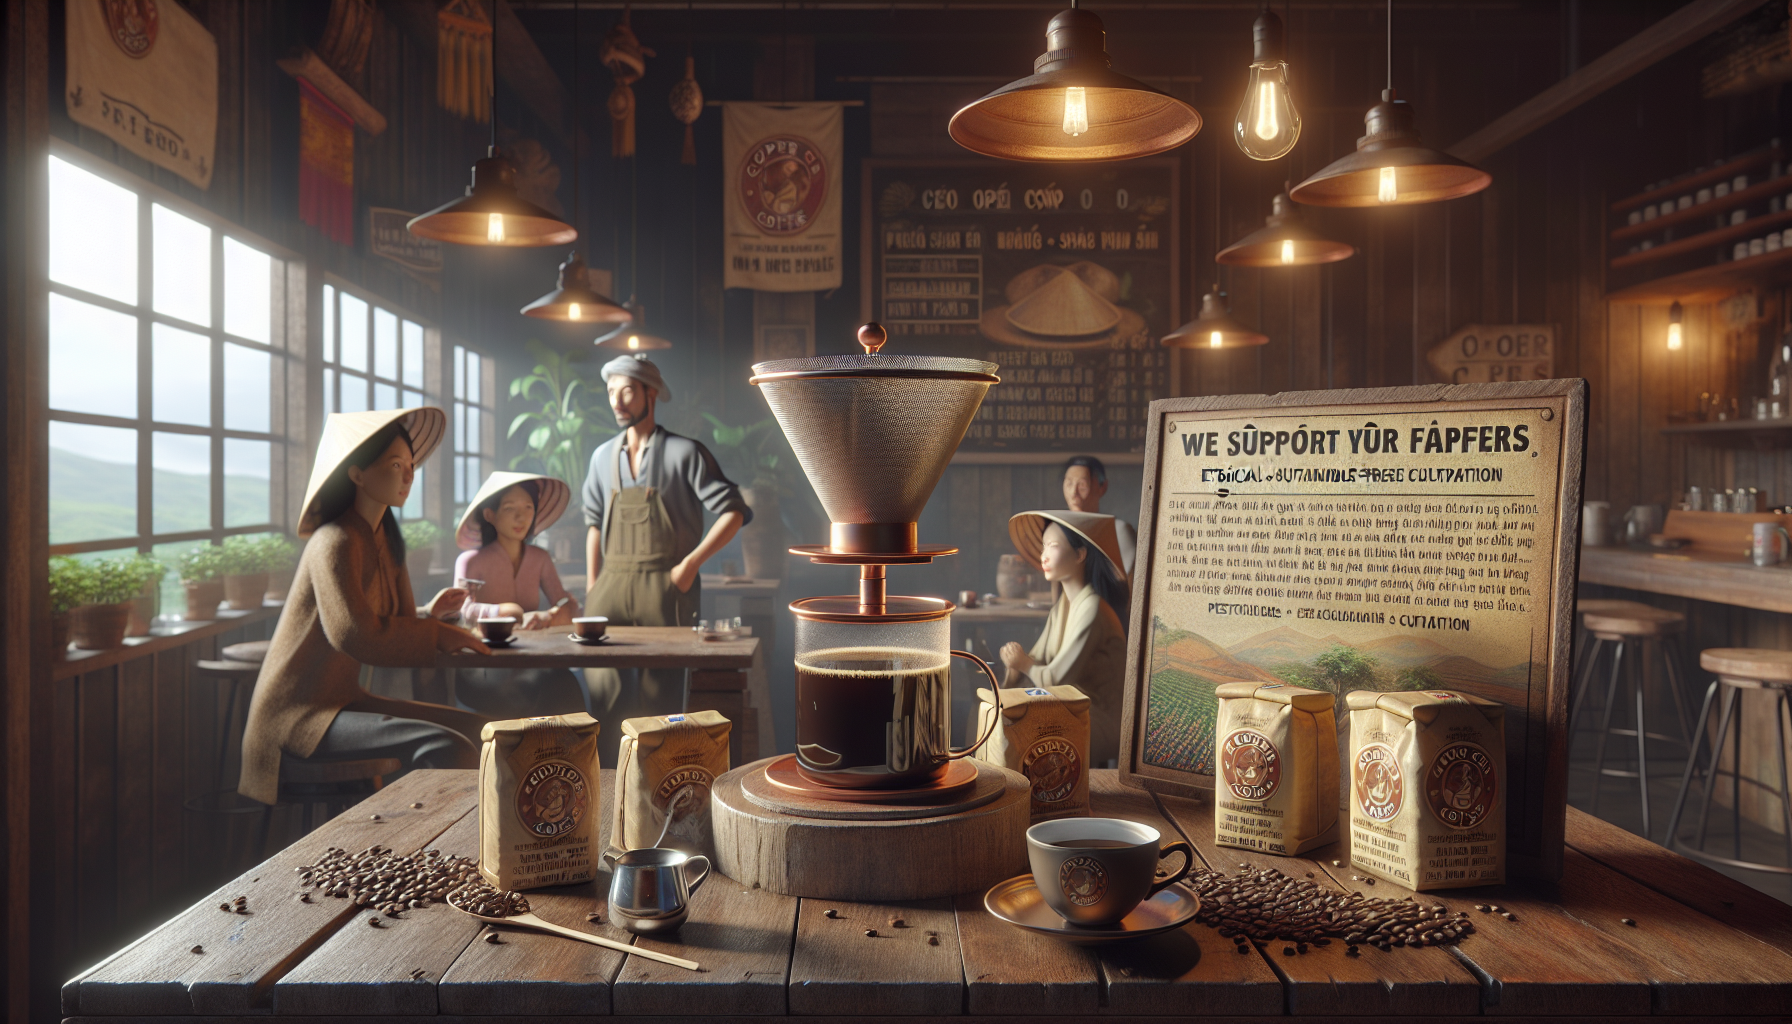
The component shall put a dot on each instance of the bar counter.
(1699, 574)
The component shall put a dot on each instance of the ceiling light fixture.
(633, 336)
(1267, 125)
(1214, 328)
(1285, 240)
(1676, 334)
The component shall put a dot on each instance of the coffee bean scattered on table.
(478, 897)
(871, 933)
(933, 940)
(377, 877)
(198, 949)
(1267, 905)
(1629, 921)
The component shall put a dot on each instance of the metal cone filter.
(873, 434)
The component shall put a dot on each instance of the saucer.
(583, 642)
(1017, 901)
(506, 642)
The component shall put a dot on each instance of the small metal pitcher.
(1643, 521)
(650, 893)
(1769, 544)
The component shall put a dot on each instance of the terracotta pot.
(143, 609)
(99, 627)
(59, 636)
(763, 544)
(203, 600)
(243, 592)
(279, 584)
(1013, 577)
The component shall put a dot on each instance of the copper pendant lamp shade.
(492, 213)
(1074, 106)
(633, 335)
(1214, 328)
(1285, 240)
(574, 301)
(1391, 166)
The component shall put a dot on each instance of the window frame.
(483, 460)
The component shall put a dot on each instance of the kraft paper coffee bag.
(1275, 782)
(1044, 735)
(662, 762)
(538, 801)
(1428, 788)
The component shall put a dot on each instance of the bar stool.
(1584, 642)
(1635, 630)
(1738, 669)
(338, 785)
(238, 674)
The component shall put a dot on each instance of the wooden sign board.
(389, 238)
(1387, 539)
(1482, 354)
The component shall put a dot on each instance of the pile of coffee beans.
(477, 897)
(1265, 905)
(386, 881)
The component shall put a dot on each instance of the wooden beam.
(309, 66)
(1666, 37)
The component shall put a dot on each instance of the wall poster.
(1065, 276)
(1392, 539)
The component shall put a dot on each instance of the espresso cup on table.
(591, 627)
(967, 599)
(1095, 871)
(497, 630)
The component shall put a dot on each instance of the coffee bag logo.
(133, 25)
(1461, 785)
(552, 799)
(1083, 880)
(1380, 789)
(1053, 766)
(1251, 765)
(693, 777)
(783, 181)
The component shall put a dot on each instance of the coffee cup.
(967, 599)
(1095, 871)
(497, 630)
(591, 627)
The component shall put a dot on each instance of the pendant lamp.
(1285, 240)
(633, 336)
(1392, 166)
(1267, 126)
(492, 213)
(573, 300)
(1074, 106)
(1214, 328)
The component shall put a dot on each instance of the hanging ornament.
(464, 60)
(626, 58)
(686, 101)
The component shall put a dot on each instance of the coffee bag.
(1428, 788)
(538, 801)
(1044, 735)
(1275, 784)
(667, 765)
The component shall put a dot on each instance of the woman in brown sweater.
(351, 605)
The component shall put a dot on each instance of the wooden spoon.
(529, 920)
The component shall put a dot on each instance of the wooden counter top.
(1700, 575)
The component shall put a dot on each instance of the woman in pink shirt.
(494, 534)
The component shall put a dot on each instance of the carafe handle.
(995, 687)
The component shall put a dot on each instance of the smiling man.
(1085, 482)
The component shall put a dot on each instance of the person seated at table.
(1084, 643)
(350, 607)
(1085, 484)
(494, 536)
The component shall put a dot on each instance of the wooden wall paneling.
(1396, 338)
(1654, 397)
(256, 149)
(96, 847)
(63, 786)
(964, 493)
(1622, 414)
(995, 489)
(1306, 303)
(225, 194)
(133, 806)
(168, 684)
(1430, 287)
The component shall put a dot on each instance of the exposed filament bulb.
(494, 228)
(572, 311)
(1287, 250)
(1076, 111)
(1214, 340)
(1387, 192)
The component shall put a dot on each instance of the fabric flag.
(781, 179)
(144, 73)
(326, 166)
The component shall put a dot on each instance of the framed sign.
(1385, 539)
(1482, 354)
(1065, 276)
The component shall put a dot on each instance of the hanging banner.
(144, 73)
(781, 181)
(326, 166)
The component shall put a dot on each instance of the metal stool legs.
(1629, 660)
(1729, 739)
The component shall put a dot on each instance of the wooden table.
(1704, 947)
(1702, 575)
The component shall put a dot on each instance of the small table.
(1697, 573)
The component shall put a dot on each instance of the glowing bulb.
(572, 311)
(1076, 111)
(1214, 340)
(1267, 125)
(1675, 315)
(1387, 193)
(1674, 341)
(1287, 250)
(494, 228)
(634, 341)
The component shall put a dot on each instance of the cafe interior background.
(177, 331)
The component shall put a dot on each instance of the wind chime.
(626, 58)
(464, 60)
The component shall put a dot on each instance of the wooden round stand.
(966, 850)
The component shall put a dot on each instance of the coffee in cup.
(497, 630)
(591, 627)
(1095, 871)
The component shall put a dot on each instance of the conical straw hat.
(551, 500)
(346, 431)
(1101, 280)
(1063, 307)
(1027, 530)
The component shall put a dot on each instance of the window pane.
(93, 359)
(246, 476)
(413, 505)
(460, 427)
(385, 396)
(85, 207)
(329, 324)
(354, 394)
(181, 376)
(93, 482)
(354, 332)
(247, 388)
(412, 400)
(329, 391)
(183, 266)
(475, 433)
(460, 372)
(460, 480)
(174, 596)
(475, 375)
(385, 344)
(182, 488)
(248, 292)
(413, 354)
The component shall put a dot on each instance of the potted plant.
(281, 556)
(108, 586)
(68, 580)
(202, 574)
(753, 456)
(149, 596)
(420, 537)
(571, 419)
(245, 573)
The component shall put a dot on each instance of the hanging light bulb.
(574, 299)
(632, 335)
(1267, 125)
(1047, 115)
(1675, 337)
(1215, 327)
(1287, 251)
(1284, 240)
(1388, 190)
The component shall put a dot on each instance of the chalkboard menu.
(1065, 276)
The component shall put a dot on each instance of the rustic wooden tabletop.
(623, 647)
(1703, 946)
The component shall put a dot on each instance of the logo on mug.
(1380, 790)
(1083, 880)
(1053, 767)
(1251, 765)
(1461, 785)
(552, 799)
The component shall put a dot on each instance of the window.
(474, 425)
(373, 359)
(165, 356)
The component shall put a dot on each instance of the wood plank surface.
(742, 939)
(245, 953)
(1010, 971)
(837, 969)
(164, 637)
(629, 647)
(1694, 574)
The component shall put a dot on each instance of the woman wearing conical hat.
(351, 606)
(1084, 643)
(509, 510)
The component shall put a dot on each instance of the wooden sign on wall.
(1483, 354)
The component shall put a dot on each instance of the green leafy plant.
(752, 453)
(202, 564)
(243, 555)
(571, 419)
(278, 552)
(420, 533)
(68, 583)
(74, 583)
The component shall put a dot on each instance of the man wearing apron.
(645, 493)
